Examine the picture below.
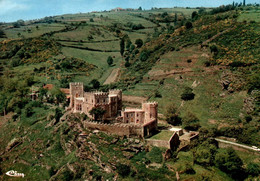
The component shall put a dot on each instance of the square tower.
(76, 90)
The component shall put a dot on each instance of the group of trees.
(207, 154)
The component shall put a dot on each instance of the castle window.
(98, 101)
(104, 100)
(137, 115)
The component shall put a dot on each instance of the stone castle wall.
(158, 143)
(172, 143)
(118, 129)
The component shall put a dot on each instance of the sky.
(12, 10)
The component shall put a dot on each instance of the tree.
(95, 83)
(172, 116)
(139, 43)
(2, 34)
(122, 46)
(28, 111)
(127, 64)
(110, 60)
(187, 94)
(144, 56)
(253, 169)
(58, 114)
(91, 20)
(175, 18)
(228, 161)
(191, 122)
(59, 96)
(188, 25)
(244, 2)
(140, 8)
(97, 113)
(123, 169)
(132, 47)
(42, 93)
(205, 153)
(128, 44)
(194, 15)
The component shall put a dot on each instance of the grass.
(43, 28)
(163, 135)
(250, 15)
(97, 58)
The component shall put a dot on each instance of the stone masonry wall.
(121, 130)
(172, 143)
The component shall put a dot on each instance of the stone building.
(83, 102)
(131, 121)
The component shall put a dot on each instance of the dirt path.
(112, 77)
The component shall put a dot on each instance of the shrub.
(157, 94)
(189, 61)
(191, 122)
(123, 169)
(97, 113)
(188, 25)
(172, 116)
(253, 169)
(229, 162)
(95, 83)
(127, 64)
(187, 94)
(110, 60)
(144, 56)
(139, 43)
(189, 169)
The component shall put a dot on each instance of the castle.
(141, 122)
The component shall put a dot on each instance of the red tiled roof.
(48, 86)
(65, 91)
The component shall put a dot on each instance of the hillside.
(200, 65)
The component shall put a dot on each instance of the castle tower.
(118, 93)
(76, 90)
(151, 111)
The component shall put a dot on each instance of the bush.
(139, 43)
(189, 61)
(28, 111)
(253, 169)
(187, 94)
(188, 25)
(127, 64)
(191, 122)
(110, 60)
(189, 169)
(95, 83)
(123, 169)
(144, 56)
(157, 94)
(172, 116)
(229, 162)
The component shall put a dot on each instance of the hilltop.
(201, 66)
